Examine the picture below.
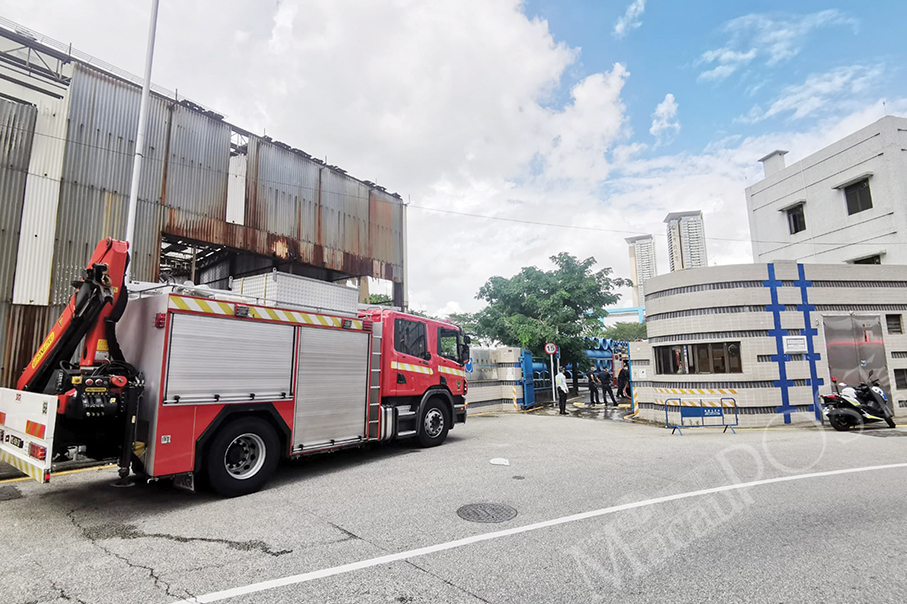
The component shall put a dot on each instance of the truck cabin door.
(411, 366)
(451, 353)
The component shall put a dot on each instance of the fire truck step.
(402, 414)
(406, 434)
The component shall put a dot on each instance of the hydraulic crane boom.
(91, 314)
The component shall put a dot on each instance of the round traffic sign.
(550, 347)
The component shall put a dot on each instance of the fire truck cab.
(223, 384)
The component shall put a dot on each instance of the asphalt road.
(818, 538)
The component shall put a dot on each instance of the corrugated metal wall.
(97, 171)
(295, 208)
(17, 128)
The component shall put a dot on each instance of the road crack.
(159, 582)
(129, 531)
(62, 595)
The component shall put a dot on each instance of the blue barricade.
(701, 414)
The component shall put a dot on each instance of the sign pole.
(553, 393)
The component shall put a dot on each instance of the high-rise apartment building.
(686, 240)
(642, 265)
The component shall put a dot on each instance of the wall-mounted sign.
(795, 345)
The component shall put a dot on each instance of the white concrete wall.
(841, 289)
(831, 234)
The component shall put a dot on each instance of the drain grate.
(884, 433)
(487, 512)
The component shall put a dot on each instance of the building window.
(894, 324)
(858, 196)
(877, 259)
(719, 357)
(900, 379)
(409, 337)
(796, 219)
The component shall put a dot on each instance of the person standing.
(593, 387)
(623, 381)
(605, 380)
(560, 382)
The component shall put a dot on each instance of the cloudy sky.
(517, 130)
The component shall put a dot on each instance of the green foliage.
(534, 306)
(626, 332)
(381, 300)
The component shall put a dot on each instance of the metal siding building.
(68, 133)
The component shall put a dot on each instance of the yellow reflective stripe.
(451, 371)
(228, 310)
(412, 368)
(203, 305)
(23, 466)
(179, 303)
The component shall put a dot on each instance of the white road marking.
(440, 547)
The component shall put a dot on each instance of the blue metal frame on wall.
(773, 284)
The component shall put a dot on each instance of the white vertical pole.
(553, 388)
(140, 136)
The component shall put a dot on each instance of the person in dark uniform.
(605, 381)
(593, 387)
(623, 381)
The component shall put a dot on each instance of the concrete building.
(844, 203)
(686, 240)
(770, 337)
(642, 265)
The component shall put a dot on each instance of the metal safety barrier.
(681, 414)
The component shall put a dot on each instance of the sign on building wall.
(795, 345)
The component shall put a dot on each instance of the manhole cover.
(884, 433)
(486, 512)
(8, 492)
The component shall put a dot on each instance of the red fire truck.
(183, 382)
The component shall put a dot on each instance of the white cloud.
(449, 104)
(774, 38)
(631, 19)
(843, 86)
(664, 123)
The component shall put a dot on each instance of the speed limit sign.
(550, 347)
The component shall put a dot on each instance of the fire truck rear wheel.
(242, 457)
(434, 424)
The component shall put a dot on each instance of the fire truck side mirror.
(467, 340)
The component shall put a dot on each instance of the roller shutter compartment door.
(227, 360)
(331, 387)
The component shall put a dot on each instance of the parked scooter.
(852, 406)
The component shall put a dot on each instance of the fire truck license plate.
(14, 441)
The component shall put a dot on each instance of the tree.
(626, 332)
(561, 306)
(381, 300)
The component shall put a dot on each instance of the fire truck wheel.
(434, 425)
(242, 457)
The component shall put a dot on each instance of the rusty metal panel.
(198, 162)
(22, 329)
(39, 208)
(281, 195)
(386, 234)
(344, 223)
(97, 169)
(17, 127)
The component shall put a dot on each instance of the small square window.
(894, 323)
(858, 196)
(796, 219)
(900, 379)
